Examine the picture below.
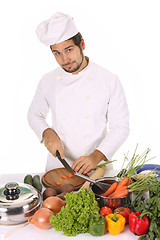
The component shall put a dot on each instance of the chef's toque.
(58, 28)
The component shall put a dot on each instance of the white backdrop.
(121, 35)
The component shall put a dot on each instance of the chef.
(90, 118)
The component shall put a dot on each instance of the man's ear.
(82, 44)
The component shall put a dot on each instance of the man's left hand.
(85, 164)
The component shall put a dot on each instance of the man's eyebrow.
(55, 51)
(70, 46)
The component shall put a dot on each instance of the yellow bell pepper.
(115, 223)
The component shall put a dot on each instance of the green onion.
(103, 164)
(136, 162)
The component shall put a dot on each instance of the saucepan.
(112, 203)
(18, 202)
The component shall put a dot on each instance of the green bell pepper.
(97, 225)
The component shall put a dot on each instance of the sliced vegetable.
(97, 225)
(58, 183)
(64, 177)
(115, 223)
(70, 175)
(41, 218)
(105, 211)
(54, 203)
(110, 190)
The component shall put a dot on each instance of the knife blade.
(65, 164)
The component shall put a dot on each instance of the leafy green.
(152, 204)
(74, 217)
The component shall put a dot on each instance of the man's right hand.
(52, 142)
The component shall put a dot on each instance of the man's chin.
(71, 70)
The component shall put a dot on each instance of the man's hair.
(77, 39)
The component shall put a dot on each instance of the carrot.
(122, 183)
(64, 177)
(117, 191)
(70, 175)
(129, 181)
(110, 190)
(58, 183)
(122, 193)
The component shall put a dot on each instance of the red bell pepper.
(125, 212)
(139, 223)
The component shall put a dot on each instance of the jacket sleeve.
(117, 121)
(38, 112)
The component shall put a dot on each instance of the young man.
(84, 99)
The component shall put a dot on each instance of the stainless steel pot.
(112, 203)
(18, 202)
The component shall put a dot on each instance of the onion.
(41, 218)
(54, 203)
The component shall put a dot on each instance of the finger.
(83, 169)
(77, 162)
(88, 170)
(61, 152)
(77, 165)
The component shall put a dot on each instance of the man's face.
(68, 55)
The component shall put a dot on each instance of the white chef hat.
(58, 28)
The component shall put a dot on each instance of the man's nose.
(65, 58)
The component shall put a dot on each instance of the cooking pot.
(112, 203)
(18, 202)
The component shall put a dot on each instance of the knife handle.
(58, 154)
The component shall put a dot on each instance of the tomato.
(113, 203)
(124, 211)
(105, 211)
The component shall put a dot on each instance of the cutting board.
(50, 178)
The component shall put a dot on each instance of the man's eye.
(69, 50)
(56, 53)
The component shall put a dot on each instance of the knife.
(67, 166)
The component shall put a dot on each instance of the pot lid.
(18, 197)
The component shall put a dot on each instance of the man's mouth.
(68, 65)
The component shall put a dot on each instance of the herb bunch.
(152, 204)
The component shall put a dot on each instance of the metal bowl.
(112, 203)
(18, 202)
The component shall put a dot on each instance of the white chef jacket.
(89, 111)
